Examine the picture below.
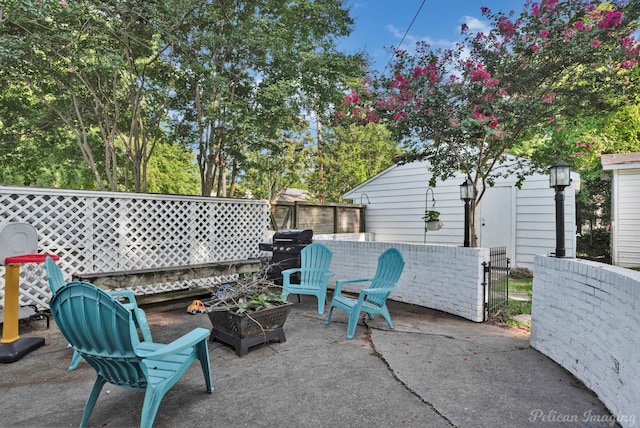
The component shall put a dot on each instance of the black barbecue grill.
(286, 247)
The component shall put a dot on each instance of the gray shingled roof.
(611, 160)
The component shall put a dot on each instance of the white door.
(495, 220)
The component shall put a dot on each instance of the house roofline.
(620, 161)
(364, 183)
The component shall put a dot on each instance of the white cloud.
(410, 40)
(476, 25)
(409, 43)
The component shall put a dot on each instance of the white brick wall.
(586, 317)
(440, 277)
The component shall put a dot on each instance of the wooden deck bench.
(138, 277)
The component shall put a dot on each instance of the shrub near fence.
(108, 231)
(595, 244)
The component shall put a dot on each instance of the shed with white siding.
(625, 207)
(522, 220)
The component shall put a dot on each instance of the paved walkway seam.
(369, 339)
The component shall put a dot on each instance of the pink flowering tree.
(464, 108)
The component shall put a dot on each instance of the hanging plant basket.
(434, 225)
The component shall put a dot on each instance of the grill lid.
(293, 236)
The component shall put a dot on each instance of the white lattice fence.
(105, 231)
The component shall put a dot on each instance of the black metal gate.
(496, 282)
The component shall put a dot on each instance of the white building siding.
(536, 217)
(396, 203)
(396, 200)
(626, 227)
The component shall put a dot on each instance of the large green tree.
(35, 149)
(172, 170)
(352, 154)
(463, 109)
(270, 168)
(581, 142)
(98, 67)
(250, 71)
(219, 77)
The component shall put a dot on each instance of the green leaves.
(226, 78)
(464, 108)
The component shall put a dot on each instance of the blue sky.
(381, 24)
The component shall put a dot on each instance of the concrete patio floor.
(433, 370)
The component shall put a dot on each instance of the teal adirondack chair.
(315, 260)
(371, 300)
(102, 330)
(56, 282)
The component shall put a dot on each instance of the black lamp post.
(467, 194)
(559, 178)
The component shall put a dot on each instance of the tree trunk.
(472, 228)
(321, 192)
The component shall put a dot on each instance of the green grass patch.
(505, 317)
(521, 285)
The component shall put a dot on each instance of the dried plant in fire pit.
(248, 311)
(249, 293)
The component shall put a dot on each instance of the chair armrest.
(125, 293)
(189, 340)
(290, 271)
(366, 291)
(341, 282)
(139, 316)
(286, 276)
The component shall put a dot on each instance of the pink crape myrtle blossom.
(352, 98)
(491, 82)
(474, 101)
(506, 27)
(470, 104)
(550, 5)
(400, 116)
(417, 72)
(400, 82)
(611, 19)
(535, 9)
(548, 99)
(493, 124)
(479, 74)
